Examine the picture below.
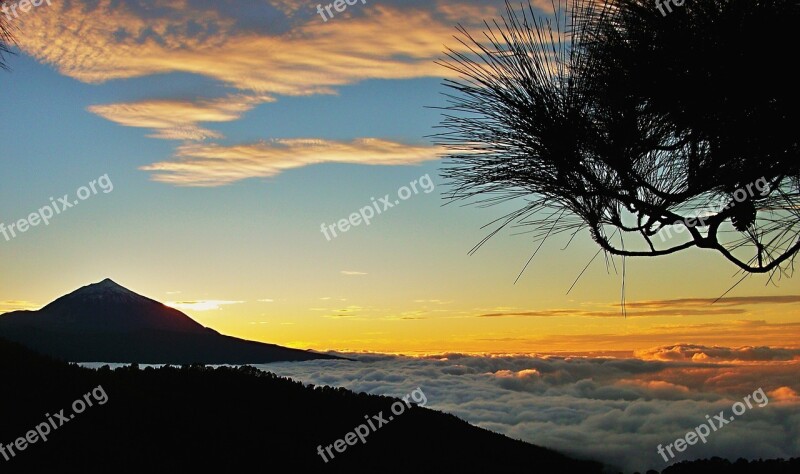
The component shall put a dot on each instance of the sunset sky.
(232, 130)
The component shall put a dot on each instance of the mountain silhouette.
(105, 322)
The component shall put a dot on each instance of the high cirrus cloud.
(217, 165)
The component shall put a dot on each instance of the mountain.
(233, 419)
(106, 322)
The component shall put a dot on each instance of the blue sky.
(232, 130)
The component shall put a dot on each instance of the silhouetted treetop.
(656, 132)
(6, 39)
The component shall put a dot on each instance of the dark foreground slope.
(105, 322)
(741, 466)
(230, 419)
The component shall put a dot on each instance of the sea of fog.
(614, 410)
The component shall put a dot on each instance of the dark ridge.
(235, 420)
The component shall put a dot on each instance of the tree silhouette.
(6, 39)
(634, 124)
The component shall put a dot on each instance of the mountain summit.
(107, 288)
(107, 307)
(106, 322)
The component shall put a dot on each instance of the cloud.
(200, 305)
(288, 7)
(459, 12)
(7, 306)
(207, 39)
(550, 313)
(522, 374)
(730, 333)
(264, 51)
(179, 119)
(736, 301)
(348, 312)
(616, 410)
(700, 353)
(674, 307)
(216, 165)
(351, 273)
(784, 395)
(659, 388)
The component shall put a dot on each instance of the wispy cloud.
(652, 308)
(17, 305)
(200, 305)
(291, 53)
(204, 39)
(197, 164)
(708, 302)
(179, 119)
(551, 313)
(352, 273)
(348, 312)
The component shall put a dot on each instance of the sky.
(220, 136)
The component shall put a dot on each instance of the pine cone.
(744, 215)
